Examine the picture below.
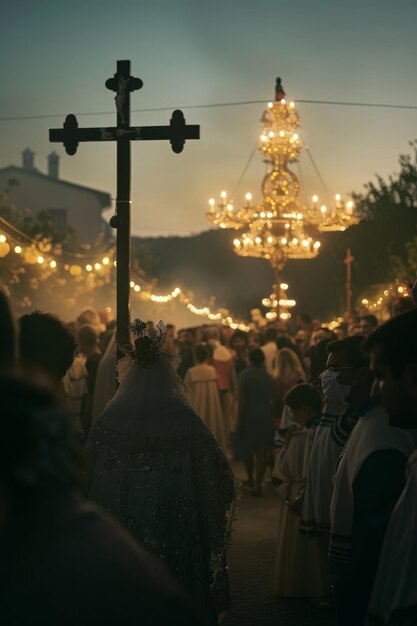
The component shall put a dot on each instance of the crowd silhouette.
(118, 482)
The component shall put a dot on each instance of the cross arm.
(177, 132)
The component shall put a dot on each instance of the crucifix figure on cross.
(70, 135)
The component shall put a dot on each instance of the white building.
(69, 204)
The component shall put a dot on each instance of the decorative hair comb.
(149, 341)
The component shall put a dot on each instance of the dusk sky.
(56, 57)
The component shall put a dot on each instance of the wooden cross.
(177, 132)
(348, 262)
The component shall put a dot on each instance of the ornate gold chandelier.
(280, 226)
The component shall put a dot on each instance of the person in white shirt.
(393, 353)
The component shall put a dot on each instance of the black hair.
(45, 341)
(304, 395)
(87, 335)
(202, 352)
(270, 334)
(239, 334)
(352, 348)
(256, 357)
(397, 339)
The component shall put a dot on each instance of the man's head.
(185, 337)
(367, 324)
(322, 333)
(304, 401)
(45, 344)
(302, 336)
(87, 339)
(238, 340)
(203, 352)
(346, 353)
(393, 353)
(170, 332)
(270, 334)
(256, 357)
(254, 340)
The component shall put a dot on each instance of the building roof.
(103, 197)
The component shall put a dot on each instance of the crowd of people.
(119, 489)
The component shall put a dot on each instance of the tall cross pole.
(70, 135)
(348, 262)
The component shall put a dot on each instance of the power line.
(411, 107)
(245, 169)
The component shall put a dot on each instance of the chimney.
(53, 165)
(28, 161)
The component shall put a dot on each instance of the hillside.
(206, 264)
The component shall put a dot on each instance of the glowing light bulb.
(212, 202)
(248, 197)
(106, 260)
(315, 198)
(236, 243)
(323, 208)
(305, 243)
(97, 266)
(292, 105)
(136, 288)
(132, 284)
(223, 194)
(317, 245)
(3, 239)
(230, 207)
(282, 133)
(89, 268)
(258, 240)
(283, 101)
(295, 136)
(284, 286)
(270, 105)
(264, 138)
(284, 241)
(52, 264)
(270, 239)
(338, 197)
(295, 240)
(400, 289)
(18, 249)
(271, 134)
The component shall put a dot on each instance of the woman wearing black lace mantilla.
(159, 470)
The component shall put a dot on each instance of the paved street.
(251, 563)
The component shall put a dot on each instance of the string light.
(391, 292)
(32, 252)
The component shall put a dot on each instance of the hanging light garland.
(393, 291)
(40, 253)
